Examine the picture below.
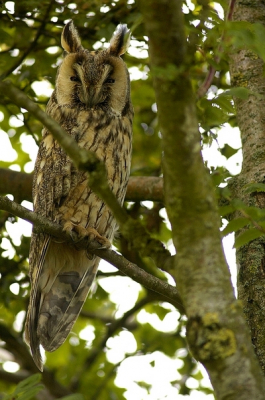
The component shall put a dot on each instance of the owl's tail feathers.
(62, 305)
(53, 314)
(59, 289)
(31, 336)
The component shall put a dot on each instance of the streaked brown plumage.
(91, 101)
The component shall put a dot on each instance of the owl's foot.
(94, 235)
(88, 232)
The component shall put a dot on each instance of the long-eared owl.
(91, 101)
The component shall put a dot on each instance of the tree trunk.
(216, 330)
(248, 70)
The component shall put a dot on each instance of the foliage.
(26, 389)
(91, 361)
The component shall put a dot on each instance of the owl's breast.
(109, 137)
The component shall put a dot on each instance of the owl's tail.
(62, 289)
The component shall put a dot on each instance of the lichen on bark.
(209, 340)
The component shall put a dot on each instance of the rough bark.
(248, 70)
(139, 188)
(19, 184)
(216, 331)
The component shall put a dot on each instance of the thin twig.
(209, 78)
(111, 329)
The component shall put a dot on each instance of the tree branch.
(140, 188)
(85, 160)
(149, 281)
(19, 184)
(216, 317)
(106, 319)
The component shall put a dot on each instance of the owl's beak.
(90, 97)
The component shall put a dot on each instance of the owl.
(91, 101)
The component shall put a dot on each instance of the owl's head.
(94, 79)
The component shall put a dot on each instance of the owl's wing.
(61, 276)
(57, 296)
(38, 241)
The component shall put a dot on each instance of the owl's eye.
(74, 79)
(109, 80)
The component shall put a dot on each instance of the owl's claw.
(94, 235)
(88, 232)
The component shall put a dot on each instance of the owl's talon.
(90, 233)
(94, 235)
(89, 255)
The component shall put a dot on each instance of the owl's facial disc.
(93, 82)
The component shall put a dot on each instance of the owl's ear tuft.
(70, 38)
(120, 40)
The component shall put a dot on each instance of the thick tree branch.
(216, 330)
(85, 160)
(19, 184)
(42, 224)
(140, 188)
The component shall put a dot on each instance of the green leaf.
(254, 212)
(234, 205)
(255, 187)
(76, 396)
(26, 389)
(226, 210)
(225, 102)
(29, 393)
(235, 225)
(259, 35)
(239, 92)
(228, 151)
(247, 237)
(30, 381)
(241, 33)
(157, 309)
